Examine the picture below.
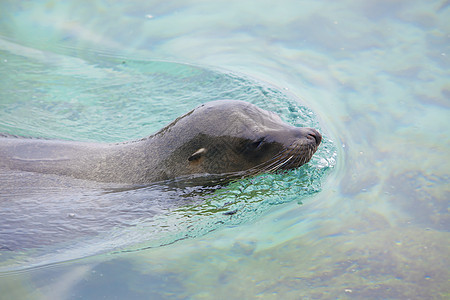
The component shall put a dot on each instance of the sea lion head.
(233, 137)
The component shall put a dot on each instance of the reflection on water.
(375, 72)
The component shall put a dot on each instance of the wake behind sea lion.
(226, 138)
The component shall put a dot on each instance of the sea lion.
(226, 137)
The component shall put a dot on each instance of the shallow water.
(374, 74)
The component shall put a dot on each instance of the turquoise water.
(106, 101)
(372, 76)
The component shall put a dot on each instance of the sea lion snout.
(316, 135)
(308, 133)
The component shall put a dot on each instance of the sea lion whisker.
(298, 159)
(274, 161)
(280, 160)
(297, 156)
(277, 167)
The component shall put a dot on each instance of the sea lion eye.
(257, 144)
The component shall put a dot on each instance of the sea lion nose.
(316, 135)
(302, 132)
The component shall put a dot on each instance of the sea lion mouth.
(293, 156)
(296, 154)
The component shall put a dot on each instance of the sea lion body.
(226, 137)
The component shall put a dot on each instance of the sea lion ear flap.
(197, 154)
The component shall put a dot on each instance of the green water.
(376, 76)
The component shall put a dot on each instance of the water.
(374, 74)
(104, 101)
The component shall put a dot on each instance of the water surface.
(375, 76)
(88, 218)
